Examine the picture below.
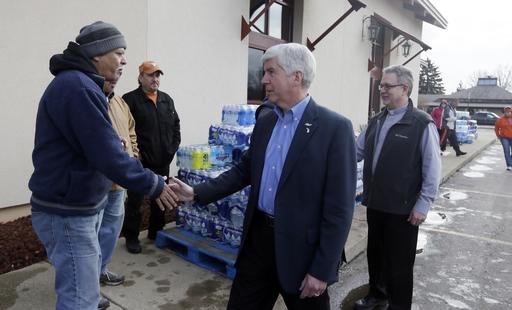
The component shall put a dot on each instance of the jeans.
(507, 150)
(72, 246)
(111, 224)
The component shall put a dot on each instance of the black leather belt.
(267, 219)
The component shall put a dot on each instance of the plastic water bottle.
(180, 217)
(237, 216)
(204, 224)
(243, 112)
(213, 134)
(219, 225)
(205, 151)
(197, 158)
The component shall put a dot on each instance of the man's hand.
(184, 191)
(416, 218)
(167, 199)
(312, 287)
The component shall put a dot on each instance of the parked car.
(485, 118)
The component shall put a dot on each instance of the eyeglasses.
(388, 86)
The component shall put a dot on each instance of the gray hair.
(293, 57)
(403, 75)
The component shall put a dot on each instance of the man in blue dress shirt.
(301, 166)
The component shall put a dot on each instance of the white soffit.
(427, 12)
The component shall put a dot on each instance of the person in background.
(77, 154)
(113, 214)
(503, 130)
(449, 118)
(301, 166)
(401, 174)
(437, 116)
(157, 126)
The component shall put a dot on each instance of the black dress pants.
(132, 217)
(256, 284)
(391, 254)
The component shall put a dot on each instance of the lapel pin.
(307, 126)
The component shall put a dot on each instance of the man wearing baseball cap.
(77, 154)
(157, 126)
(503, 129)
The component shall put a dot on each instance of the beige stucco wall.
(32, 31)
(197, 44)
(342, 81)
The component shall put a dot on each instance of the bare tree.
(460, 86)
(473, 78)
(503, 74)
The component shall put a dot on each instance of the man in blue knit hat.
(77, 154)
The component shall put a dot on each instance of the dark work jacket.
(314, 201)
(157, 127)
(395, 185)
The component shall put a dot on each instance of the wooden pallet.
(199, 250)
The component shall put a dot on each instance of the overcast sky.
(478, 37)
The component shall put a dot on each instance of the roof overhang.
(397, 31)
(427, 12)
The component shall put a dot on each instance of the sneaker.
(111, 279)
(104, 304)
(509, 168)
(133, 246)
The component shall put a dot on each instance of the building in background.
(207, 62)
(486, 96)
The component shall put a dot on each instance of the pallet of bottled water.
(466, 131)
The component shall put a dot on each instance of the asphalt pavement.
(464, 247)
(158, 279)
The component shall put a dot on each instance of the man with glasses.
(401, 174)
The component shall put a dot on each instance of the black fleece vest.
(395, 185)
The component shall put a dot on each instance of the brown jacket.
(124, 125)
(503, 127)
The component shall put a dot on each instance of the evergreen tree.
(430, 79)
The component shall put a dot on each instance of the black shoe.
(370, 302)
(111, 279)
(104, 304)
(133, 246)
(460, 153)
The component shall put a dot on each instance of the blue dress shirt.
(276, 152)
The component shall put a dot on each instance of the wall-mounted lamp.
(372, 30)
(406, 48)
(373, 33)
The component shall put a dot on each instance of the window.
(274, 27)
(277, 22)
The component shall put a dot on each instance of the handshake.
(174, 193)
